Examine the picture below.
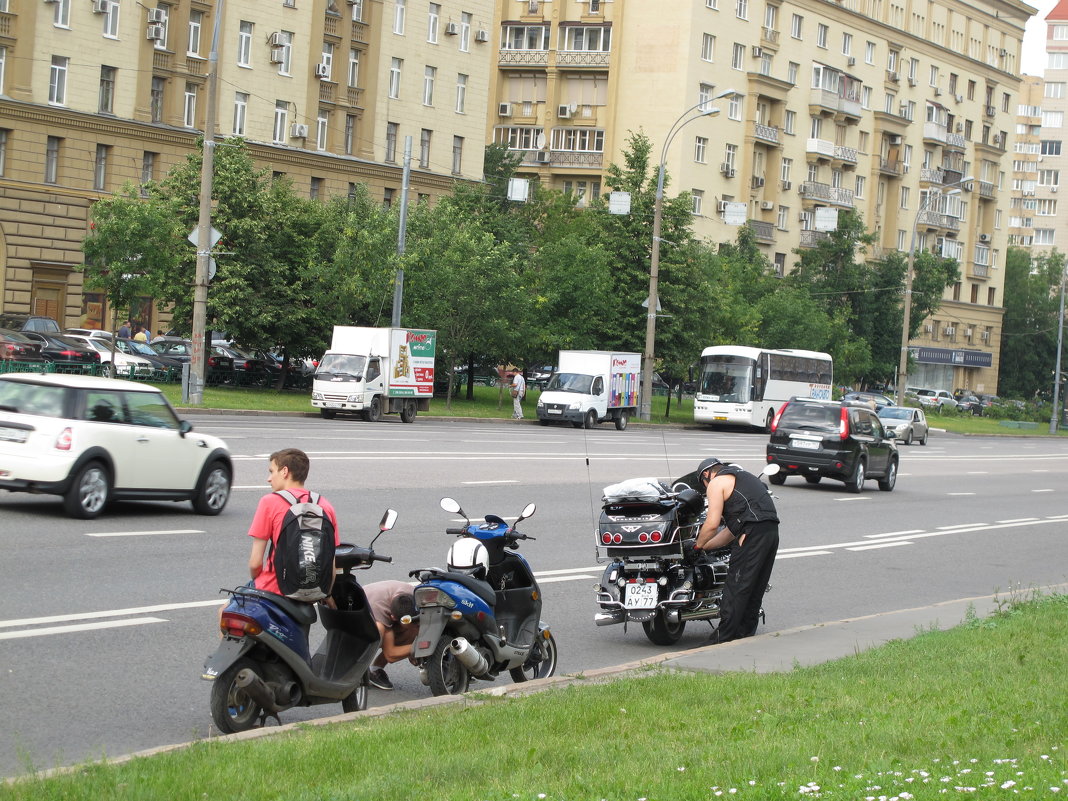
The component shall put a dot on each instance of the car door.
(919, 424)
(868, 431)
(164, 459)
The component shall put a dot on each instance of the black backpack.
(303, 554)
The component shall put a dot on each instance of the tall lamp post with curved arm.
(903, 362)
(648, 360)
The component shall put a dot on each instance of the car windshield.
(570, 382)
(898, 413)
(138, 347)
(811, 415)
(18, 396)
(341, 366)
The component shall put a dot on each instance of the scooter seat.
(480, 588)
(302, 613)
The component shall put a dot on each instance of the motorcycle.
(654, 575)
(481, 615)
(263, 664)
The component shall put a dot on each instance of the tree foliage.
(1030, 325)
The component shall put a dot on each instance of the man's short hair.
(401, 605)
(296, 460)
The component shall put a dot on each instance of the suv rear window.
(810, 415)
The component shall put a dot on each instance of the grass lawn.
(973, 712)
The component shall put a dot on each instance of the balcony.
(812, 190)
(987, 189)
(929, 175)
(353, 95)
(811, 239)
(820, 147)
(576, 158)
(937, 220)
(766, 133)
(769, 36)
(823, 98)
(846, 154)
(979, 270)
(6, 23)
(327, 91)
(523, 58)
(161, 60)
(891, 166)
(762, 231)
(935, 132)
(955, 140)
(582, 58)
(359, 32)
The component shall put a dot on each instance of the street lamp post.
(648, 360)
(903, 362)
(1056, 413)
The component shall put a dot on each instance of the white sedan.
(124, 364)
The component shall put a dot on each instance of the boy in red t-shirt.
(288, 470)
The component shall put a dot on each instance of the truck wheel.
(408, 411)
(374, 411)
(621, 422)
(328, 414)
(590, 420)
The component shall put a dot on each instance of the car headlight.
(573, 406)
(355, 399)
(540, 402)
(317, 396)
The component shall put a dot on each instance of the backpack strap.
(290, 498)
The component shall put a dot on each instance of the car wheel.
(328, 414)
(590, 420)
(908, 438)
(813, 479)
(621, 422)
(886, 484)
(923, 439)
(107, 370)
(88, 492)
(213, 490)
(374, 412)
(856, 483)
(778, 479)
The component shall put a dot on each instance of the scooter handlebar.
(456, 532)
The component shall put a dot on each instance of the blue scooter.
(263, 665)
(481, 615)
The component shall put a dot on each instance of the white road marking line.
(1043, 490)
(873, 546)
(143, 533)
(568, 570)
(495, 481)
(1021, 520)
(850, 500)
(111, 624)
(563, 578)
(974, 473)
(251, 487)
(894, 534)
(956, 494)
(136, 610)
(958, 525)
(796, 555)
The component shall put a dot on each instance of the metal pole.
(402, 225)
(648, 362)
(200, 280)
(1055, 414)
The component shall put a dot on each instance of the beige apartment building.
(882, 106)
(98, 93)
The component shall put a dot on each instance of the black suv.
(840, 440)
(29, 322)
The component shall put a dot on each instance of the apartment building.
(98, 93)
(1027, 159)
(880, 106)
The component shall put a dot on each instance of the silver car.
(905, 423)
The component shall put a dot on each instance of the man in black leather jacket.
(742, 514)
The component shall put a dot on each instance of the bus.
(739, 385)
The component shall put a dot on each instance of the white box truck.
(376, 371)
(592, 386)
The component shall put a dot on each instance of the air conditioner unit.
(990, 111)
(895, 139)
(757, 182)
(298, 130)
(967, 332)
(960, 127)
(766, 205)
(928, 329)
(802, 190)
(726, 169)
(786, 186)
(996, 139)
(563, 112)
(984, 237)
(912, 81)
(959, 98)
(322, 71)
(937, 92)
(155, 33)
(157, 16)
(504, 109)
(276, 39)
(851, 62)
(722, 205)
(894, 77)
(542, 157)
(278, 55)
(949, 331)
(757, 51)
(802, 217)
(451, 29)
(482, 36)
(101, 6)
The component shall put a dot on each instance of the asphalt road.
(106, 623)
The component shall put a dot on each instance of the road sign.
(194, 237)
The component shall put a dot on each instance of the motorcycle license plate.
(640, 596)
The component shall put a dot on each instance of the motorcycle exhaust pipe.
(469, 657)
(608, 618)
(256, 689)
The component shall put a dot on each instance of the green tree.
(1029, 326)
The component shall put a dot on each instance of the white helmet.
(469, 555)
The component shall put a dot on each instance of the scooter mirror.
(389, 519)
(450, 505)
(528, 510)
(770, 470)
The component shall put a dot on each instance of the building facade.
(879, 106)
(95, 94)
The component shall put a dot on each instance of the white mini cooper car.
(95, 440)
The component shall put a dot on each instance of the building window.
(156, 99)
(61, 14)
(708, 46)
(457, 155)
(357, 10)
(391, 142)
(328, 61)
(432, 22)
(465, 32)
(525, 37)
(697, 201)
(281, 119)
(847, 44)
(700, 149)
(3, 63)
(354, 68)
(796, 21)
(196, 24)
(148, 170)
(734, 107)
(57, 81)
(741, 9)
(586, 39)
(821, 35)
(51, 173)
(240, 112)
(869, 52)
(100, 168)
(738, 56)
(461, 92)
(189, 114)
(4, 132)
(316, 188)
(395, 77)
(430, 75)
(350, 133)
(107, 90)
(398, 16)
(111, 20)
(287, 53)
(424, 147)
(322, 128)
(387, 196)
(730, 156)
(244, 44)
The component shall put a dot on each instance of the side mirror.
(389, 519)
(184, 427)
(528, 510)
(770, 470)
(450, 505)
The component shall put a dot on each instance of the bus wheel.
(768, 422)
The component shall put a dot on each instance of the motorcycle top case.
(639, 528)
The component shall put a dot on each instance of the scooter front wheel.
(356, 701)
(231, 708)
(446, 673)
(541, 663)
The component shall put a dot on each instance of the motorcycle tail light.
(432, 596)
(606, 538)
(239, 625)
(617, 538)
(643, 537)
(456, 614)
(656, 536)
(662, 581)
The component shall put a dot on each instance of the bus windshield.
(727, 380)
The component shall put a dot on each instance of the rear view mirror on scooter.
(389, 519)
(452, 506)
(770, 470)
(528, 510)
